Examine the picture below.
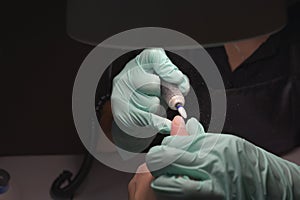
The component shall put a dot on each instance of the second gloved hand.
(219, 166)
(136, 92)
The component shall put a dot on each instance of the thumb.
(178, 126)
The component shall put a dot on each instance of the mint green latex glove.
(219, 166)
(135, 96)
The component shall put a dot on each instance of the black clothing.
(263, 94)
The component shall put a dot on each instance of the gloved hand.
(135, 96)
(219, 166)
(139, 186)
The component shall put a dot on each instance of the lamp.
(208, 22)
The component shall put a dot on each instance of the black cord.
(58, 192)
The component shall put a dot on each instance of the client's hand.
(139, 186)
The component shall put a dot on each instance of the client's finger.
(132, 188)
(178, 126)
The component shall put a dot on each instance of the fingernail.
(178, 120)
(178, 126)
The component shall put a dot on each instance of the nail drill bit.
(173, 97)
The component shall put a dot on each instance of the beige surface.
(32, 177)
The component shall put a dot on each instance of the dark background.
(39, 63)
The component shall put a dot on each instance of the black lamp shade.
(208, 22)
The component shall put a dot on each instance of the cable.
(58, 192)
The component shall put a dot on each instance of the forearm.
(293, 156)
